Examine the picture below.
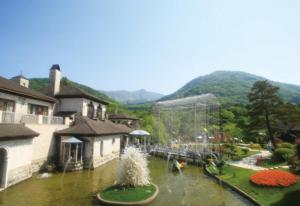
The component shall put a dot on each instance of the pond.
(78, 188)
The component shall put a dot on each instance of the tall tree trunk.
(269, 128)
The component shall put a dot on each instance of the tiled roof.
(9, 86)
(121, 116)
(15, 131)
(74, 92)
(85, 126)
(65, 113)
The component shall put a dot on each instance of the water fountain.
(133, 178)
(65, 169)
(44, 175)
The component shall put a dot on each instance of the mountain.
(232, 87)
(128, 97)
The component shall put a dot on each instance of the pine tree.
(264, 104)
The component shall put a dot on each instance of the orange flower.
(274, 178)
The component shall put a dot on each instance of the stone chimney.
(54, 80)
(21, 80)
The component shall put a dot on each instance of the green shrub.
(236, 158)
(286, 145)
(230, 146)
(245, 150)
(283, 154)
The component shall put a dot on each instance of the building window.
(37, 109)
(90, 112)
(113, 141)
(7, 105)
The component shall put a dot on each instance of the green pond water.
(79, 188)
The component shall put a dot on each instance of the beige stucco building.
(62, 125)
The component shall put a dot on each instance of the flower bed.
(274, 178)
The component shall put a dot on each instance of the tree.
(289, 118)
(263, 106)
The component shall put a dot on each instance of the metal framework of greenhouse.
(186, 119)
(194, 117)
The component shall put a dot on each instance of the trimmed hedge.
(286, 145)
(283, 154)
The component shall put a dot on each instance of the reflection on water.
(78, 188)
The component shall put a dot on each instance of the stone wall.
(43, 146)
(19, 156)
(98, 161)
(111, 150)
(19, 174)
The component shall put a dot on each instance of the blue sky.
(152, 44)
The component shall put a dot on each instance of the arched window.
(99, 112)
(90, 112)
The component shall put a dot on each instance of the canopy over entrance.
(139, 133)
(71, 153)
(140, 138)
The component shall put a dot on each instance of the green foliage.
(245, 150)
(236, 153)
(264, 103)
(236, 158)
(156, 129)
(265, 196)
(212, 168)
(283, 154)
(226, 116)
(231, 87)
(286, 145)
(41, 84)
(233, 130)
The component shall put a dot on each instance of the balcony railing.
(56, 120)
(30, 119)
(9, 117)
(12, 117)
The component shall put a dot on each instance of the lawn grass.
(239, 177)
(268, 163)
(128, 194)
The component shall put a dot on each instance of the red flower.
(274, 178)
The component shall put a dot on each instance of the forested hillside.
(232, 87)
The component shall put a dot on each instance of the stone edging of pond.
(234, 188)
(138, 203)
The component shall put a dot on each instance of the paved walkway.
(249, 162)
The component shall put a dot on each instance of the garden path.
(249, 162)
